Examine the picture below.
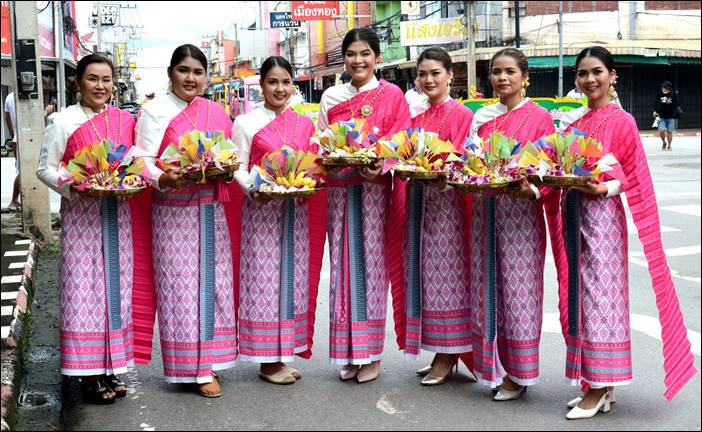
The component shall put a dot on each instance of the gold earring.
(612, 90)
(79, 96)
(522, 92)
(170, 86)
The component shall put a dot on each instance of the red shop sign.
(314, 10)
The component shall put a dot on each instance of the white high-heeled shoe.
(506, 395)
(577, 400)
(578, 413)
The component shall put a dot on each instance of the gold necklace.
(367, 109)
(197, 113)
(107, 125)
(602, 122)
(285, 130)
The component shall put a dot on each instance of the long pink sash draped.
(621, 136)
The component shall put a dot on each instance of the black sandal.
(94, 391)
(113, 381)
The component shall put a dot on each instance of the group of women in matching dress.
(234, 275)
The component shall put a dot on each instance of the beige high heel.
(368, 372)
(432, 380)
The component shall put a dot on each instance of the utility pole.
(517, 39)
(560, 48)
(29, 105)
(61, 76)
(469, 45)
(99, 27)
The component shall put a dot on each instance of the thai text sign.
(432, 32)
(283, 20)
(314, 10)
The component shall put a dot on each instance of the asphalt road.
(397, 401)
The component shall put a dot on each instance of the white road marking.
(16, 265)
(11, 279)
(674, 273)
(633, 231)
(6, 310)
(674, 252)
(10, 295)
(5, 332)
(642, 323)
(16, 253)
(23, 242)
(689, 209)
(677, 194)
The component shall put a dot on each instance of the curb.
(14, 338)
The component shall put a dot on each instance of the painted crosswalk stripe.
(10, 295)
(16, 253)
(23, 242)
(642, 323)
(6, 310)
(5, 332)
(689, 209)
(11, 279)
(674, 252)
(633, 231)
(17, 265)
(674, 273)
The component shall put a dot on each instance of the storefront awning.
(625, 51)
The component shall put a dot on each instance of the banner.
(5, 29)
(314, 10)
(432, 32)
(283, 20)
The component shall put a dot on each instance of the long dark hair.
(184, 51)
(437, 54)
(363, 34)
(516, 54)
(272, 62)
(600, 53)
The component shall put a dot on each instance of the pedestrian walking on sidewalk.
(195, 242)
(595, 302)
(98, 248)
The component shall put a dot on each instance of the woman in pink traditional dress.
(595, 302)
(358, 214)
(432, 304)
(509, 243)
(282, 242)
(99, 242)
(193, 235)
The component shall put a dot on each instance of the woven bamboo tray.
(483, 187)
(560, 181)
(418, 175)
(117, 193)
(305, 193)
(347, 161)
(213, 173)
